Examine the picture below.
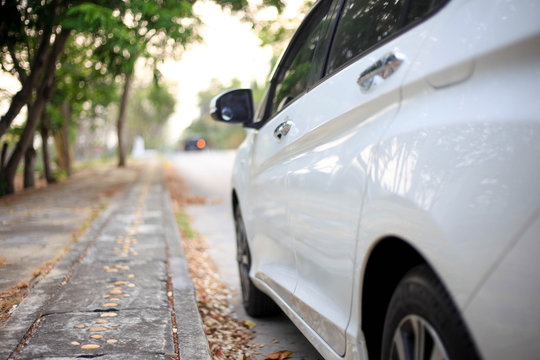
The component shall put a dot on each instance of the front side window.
(292, 79)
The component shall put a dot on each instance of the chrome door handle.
(282, 130)
(383, 68)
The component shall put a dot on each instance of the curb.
(192, 340)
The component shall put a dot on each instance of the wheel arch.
(388, 262)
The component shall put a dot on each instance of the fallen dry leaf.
(279, 355)
(249, 324)
(97, 329)
(109, 314)
(90, 346)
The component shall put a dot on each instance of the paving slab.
(133, 333)
(139, 270)
(111, 295)
(138, 246)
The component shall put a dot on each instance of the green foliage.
(127, 30)
(13, 134)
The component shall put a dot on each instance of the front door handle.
(282, 130)
(383, 68)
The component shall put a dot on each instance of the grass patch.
(94, 163)
(184, 224)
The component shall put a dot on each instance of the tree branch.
(44, 93)
(36, 70)
(17, 65)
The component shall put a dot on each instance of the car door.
(329, 165)
(267, 205)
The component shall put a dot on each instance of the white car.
(387, 196)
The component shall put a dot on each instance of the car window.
(321, 52)
(365, 23)
(292, 78)
(418, 9)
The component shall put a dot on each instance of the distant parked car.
(387, 196)
(195, 143)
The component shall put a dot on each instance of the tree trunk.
(29, 162)
(35, 110)
(31, 82)
(44, 131)
(3, 155)
(121, 121)
(64, 137)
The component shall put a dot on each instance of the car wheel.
(255, 302)
(423, 323)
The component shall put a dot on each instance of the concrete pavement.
(121, 292)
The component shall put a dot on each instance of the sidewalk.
(121, 292)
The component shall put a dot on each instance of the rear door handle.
(383, 68)
(283, 129)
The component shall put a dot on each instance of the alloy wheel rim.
(416, 339)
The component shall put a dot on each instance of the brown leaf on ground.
(279, 355)
(98, 329)
(3, 261)
(249, 324)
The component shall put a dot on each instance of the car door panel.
(275, 263)
(328, 173)
(268, 206)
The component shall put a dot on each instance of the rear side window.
(418, 9)
(363, 24)
(366, 23)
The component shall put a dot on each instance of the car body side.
(449, 177)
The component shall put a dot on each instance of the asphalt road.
(208, 174)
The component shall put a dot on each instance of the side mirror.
(234, 106)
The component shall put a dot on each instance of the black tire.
(421, 309)
(256, 303)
